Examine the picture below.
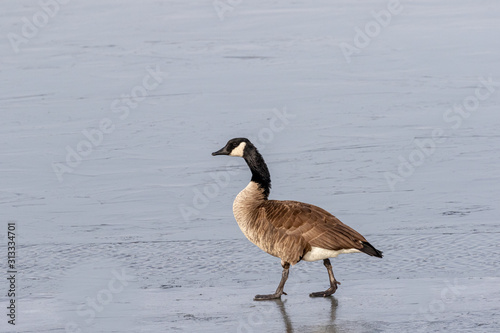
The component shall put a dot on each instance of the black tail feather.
(369, 249)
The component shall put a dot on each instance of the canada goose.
(290, 230)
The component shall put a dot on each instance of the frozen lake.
(384, 113)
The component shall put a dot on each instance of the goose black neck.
(260, 173)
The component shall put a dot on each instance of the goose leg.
(333, 283)
(279, 291)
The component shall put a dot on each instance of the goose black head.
(234, 147)
(242, 147)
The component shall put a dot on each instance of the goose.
(290, 230)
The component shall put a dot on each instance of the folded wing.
(315, 225)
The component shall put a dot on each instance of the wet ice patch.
(466, 210)
(96, 294)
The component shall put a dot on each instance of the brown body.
(289, 229)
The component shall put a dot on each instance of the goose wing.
(315, 225)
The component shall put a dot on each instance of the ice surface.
(118, 201)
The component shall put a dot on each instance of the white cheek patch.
(238, 151)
